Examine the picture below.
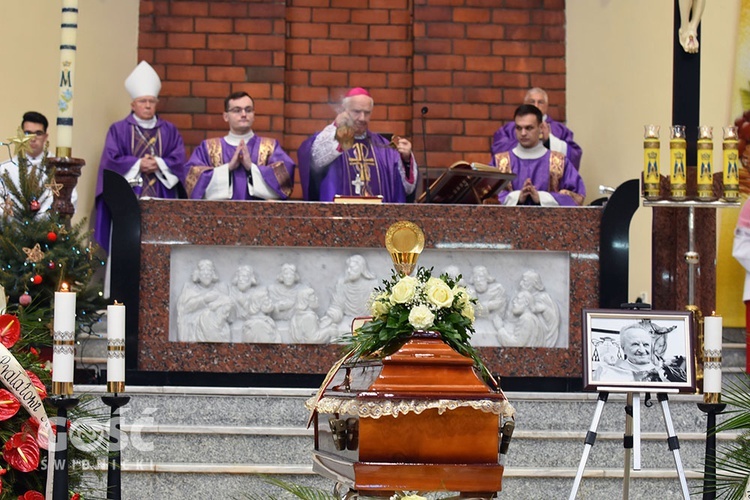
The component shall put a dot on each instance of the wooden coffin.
(420, 420)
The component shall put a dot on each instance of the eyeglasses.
(238, 110)
(37, 133)
(147, 101)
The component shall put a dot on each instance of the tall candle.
(712, 330)
(63, 345)
(116, 348)
(68, 31)
(3, 300)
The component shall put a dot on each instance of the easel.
(632, 438)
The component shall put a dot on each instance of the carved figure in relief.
(544, 306)
(525, 328)
(202, 293)
(283, 293)
(304, 326)
(250, 319)
(350, 296)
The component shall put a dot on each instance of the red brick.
(161, 8)
(308, 94)
(388, 4)
(554, 65)
(370, 16)
(298, 14)
(146, 55)
(400, 113)
(523, 32)
(472, 47)
(471, 16)
(433, 46)
(186, 41)
(197, 9)
(432, 14)
(209, 121)
(215, 57)
(511, 16)
(402, 49)
(266, 10)
(295, 46)
(471, 79)
(152, 40)
(506, 79)
(349, 32)
(213, 25)
(389, 33)
(524, 64)
(481, 127)
(331, 47)
(278, 90)
(486, 32)
(514, 96)
(399, 80)
(259, 91)
(174, 56)
(389, 64)
(554, 4)
(490, 96)
(388, 96)
(398, 17)
(473, 111)
(444, 94)
(484, 63)
(180, 120)
(269, 42)
(524, 4)
(432, 78)
(367, 80)
(503, 113)
(446, 30)
(554, 33)
(308, 30)
(348, 63)
(312, 3)
(146, 24)
(146, 8)
(328, 78)
(174, 89)
(331, 15)
(448, 127)
(174, 24)
(255, 26)
(440, 142)
(554, 17)
(227, 9)
(214, 105)
(298, 78)
(419, 30)
(210, 89)
(296, 110)
(552, 49)
(443, 160)
(468, 143)
(311, 62)
(253, 58)
(229, 42)
(324, 111)
(225, 74)
(548, 81)
(186, 72)
(369, 48)
(504, 48)
(445, 62)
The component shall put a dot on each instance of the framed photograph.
(638, 350)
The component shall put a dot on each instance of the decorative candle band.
(712, 354)
(62, 388)
(115, 387)
(712, 398)
(656, 144)
(63, 152)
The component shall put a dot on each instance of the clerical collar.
(145, 123)
(530, 153)
(234, 139)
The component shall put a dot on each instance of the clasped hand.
(148, 164)
(241, 157)
(528, 191)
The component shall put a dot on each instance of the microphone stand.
(425, 109)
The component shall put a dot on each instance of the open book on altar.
(466, 183)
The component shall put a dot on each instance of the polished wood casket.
(422, 419)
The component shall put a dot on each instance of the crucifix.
(362, 162)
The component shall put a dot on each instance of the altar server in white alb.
(34, 125)
(145, 149)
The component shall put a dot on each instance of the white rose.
(380, 306)
(439, 293)
(462, 294)
(468, 311)
(420, 317)
(403, 291)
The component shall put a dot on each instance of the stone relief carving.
(311, 296)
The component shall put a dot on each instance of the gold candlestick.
(651, 162)
(705, 163)
(677, 153)
(731, 176)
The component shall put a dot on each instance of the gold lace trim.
(376, 408)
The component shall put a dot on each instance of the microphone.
(425, 110)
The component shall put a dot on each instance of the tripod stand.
(632, 440)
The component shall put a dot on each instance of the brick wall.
(468, 61)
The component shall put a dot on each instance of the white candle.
(115, 347)
(3, 301)
(63, 349)
(712, 331)
(68, 31)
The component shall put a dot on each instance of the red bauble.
(51, 237)
(24, 299)
(51, 265)
(37, 280)
(34, 205)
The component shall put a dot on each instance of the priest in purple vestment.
(543, 177)
(241, 165)
(556, 136)
(143, 148)
(347, 159)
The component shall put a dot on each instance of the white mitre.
(143, 81)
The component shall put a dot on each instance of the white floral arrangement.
(405, 304)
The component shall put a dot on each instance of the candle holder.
(730, 175)
(60, 460)
(66, 173)
(677, 154)
(709, 476)
(705, 148)
(651, 162)
(114, 457)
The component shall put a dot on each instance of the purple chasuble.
(505, 140)
(274, 164)
(371, 157)
(551, 173)
(126, 143)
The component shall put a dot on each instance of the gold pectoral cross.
(362, 162)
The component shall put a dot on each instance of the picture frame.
(656, 354)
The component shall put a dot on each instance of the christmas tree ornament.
(37, 280)
(7, 206)
(55, 187)
(34, 205)
(51, 237)
(51, 265)
(25, 299)
(33, 254)
(20, 142)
